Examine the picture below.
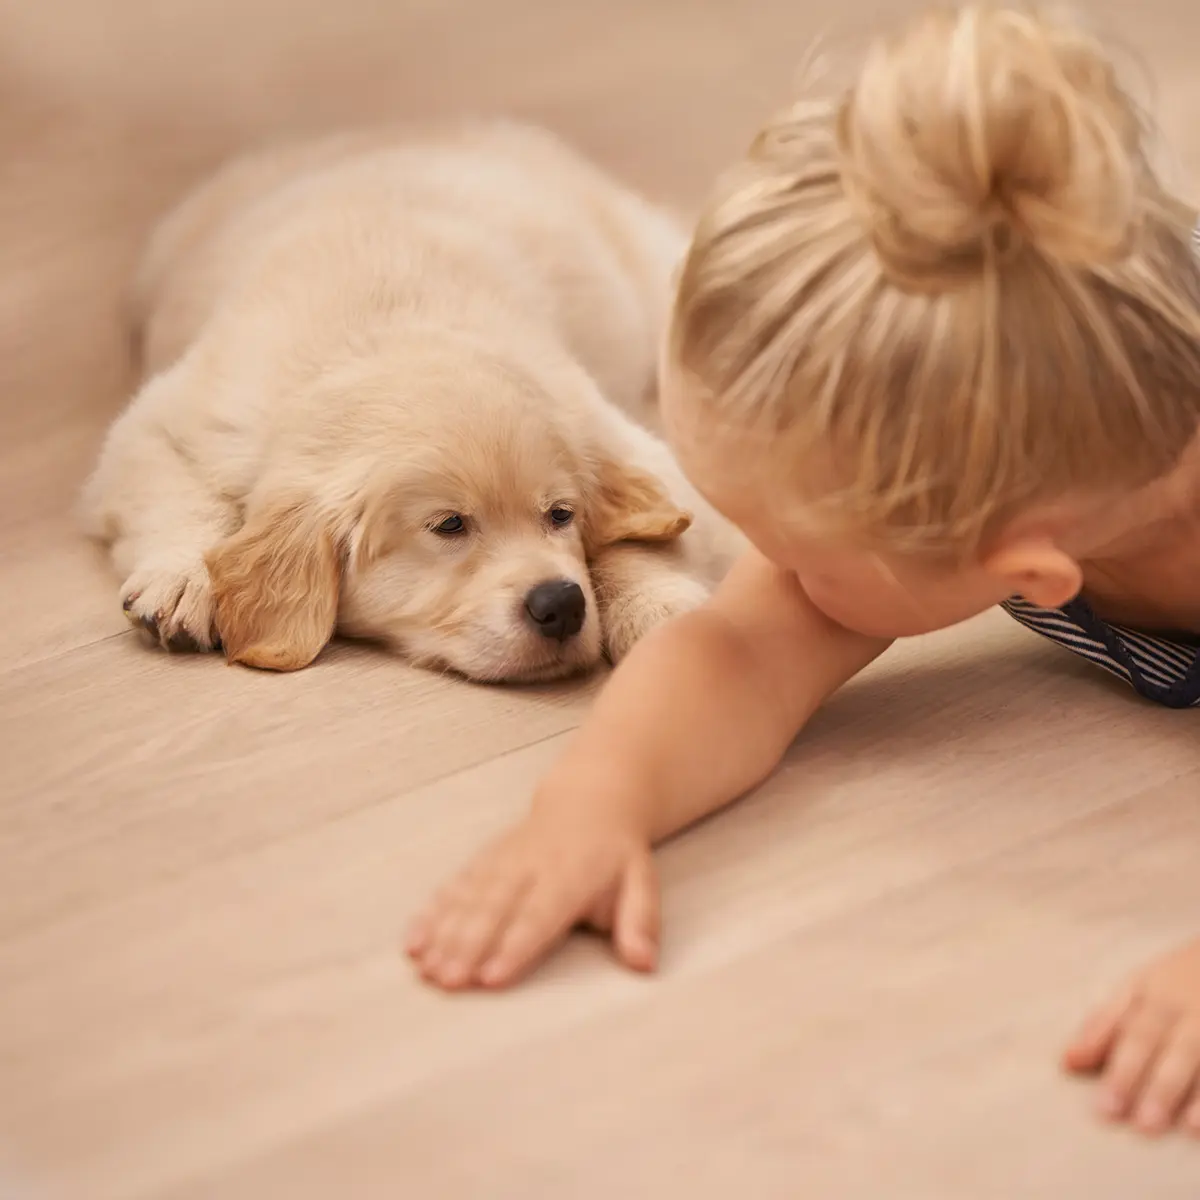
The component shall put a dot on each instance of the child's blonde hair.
(962, 285)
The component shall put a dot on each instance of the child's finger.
(1191, 1117)
(536, 926)
(1171, 1082)
(636, 925)
(467, 935)
(1089, 1049)
(422, 930)
(1138, 1045)
(426, 925)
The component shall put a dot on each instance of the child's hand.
(1147, 1045)
(523, 894)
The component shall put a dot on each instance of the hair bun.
(981, 130)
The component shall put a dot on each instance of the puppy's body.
(353, 346)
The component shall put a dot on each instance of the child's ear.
(1038, 571)
(630, 505)
(275, 588)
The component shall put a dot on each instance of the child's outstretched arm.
(701, 711)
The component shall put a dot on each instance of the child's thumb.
(637, 916)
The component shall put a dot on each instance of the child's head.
(928, 335)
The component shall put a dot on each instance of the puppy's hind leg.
(149, 500)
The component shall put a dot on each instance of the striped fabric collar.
(1163, 668)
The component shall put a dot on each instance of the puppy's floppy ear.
(275, 587)
(631, 505)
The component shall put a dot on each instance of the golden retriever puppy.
(392, 389)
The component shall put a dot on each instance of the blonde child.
(936, 348)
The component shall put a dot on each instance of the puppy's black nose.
(556, 608)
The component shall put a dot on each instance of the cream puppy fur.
(393, 388)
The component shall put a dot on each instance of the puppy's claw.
(182, 642)
(171, 610)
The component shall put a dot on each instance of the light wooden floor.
(204, 872)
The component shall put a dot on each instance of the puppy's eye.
(451, 526)
(560, 516)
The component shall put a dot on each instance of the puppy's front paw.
(630, 615)
(173, 606)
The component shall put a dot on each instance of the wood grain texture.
(205, 872)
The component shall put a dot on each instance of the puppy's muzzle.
(556, 609)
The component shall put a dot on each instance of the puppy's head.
(453, 503)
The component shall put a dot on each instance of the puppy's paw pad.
(629, 617)
(172, 606)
